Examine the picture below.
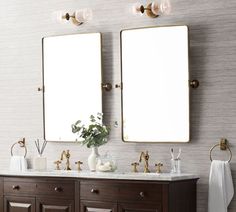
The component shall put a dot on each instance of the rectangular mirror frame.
(122, 91)
(43, 79)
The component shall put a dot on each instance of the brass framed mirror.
(155, 84)
(72, 77)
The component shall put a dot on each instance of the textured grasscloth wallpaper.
(213, 61)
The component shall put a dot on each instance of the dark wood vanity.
(57, 194)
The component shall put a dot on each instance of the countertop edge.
(108, 176)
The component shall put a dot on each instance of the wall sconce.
(77, 18)
(153, 9)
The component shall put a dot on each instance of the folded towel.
(221, 189)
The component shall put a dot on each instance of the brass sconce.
(78, 17)
(154, 9)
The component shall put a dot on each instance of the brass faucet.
(79, 164)
(58, 162)
(145, 156)
(67, 155)
(134, 165)
(158, 166)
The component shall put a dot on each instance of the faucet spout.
(66, 154)
(145, 156)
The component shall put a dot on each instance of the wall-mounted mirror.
(72, 82)
(155, 81)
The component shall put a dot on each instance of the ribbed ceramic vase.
(92, 159)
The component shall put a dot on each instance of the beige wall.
(213, 52)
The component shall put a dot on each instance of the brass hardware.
(223, 146)
(58, 162)
(194, 83)
(148, 10)
(141, 194)
(107, 86)
(145, 156)
(79, 163)
(158, 166)
(67, 155)
(16, 187)
(58, 189)
(95, 191)
(67, 16)
(22, 145)
(41, 89)
(134, 165)
(118, 86)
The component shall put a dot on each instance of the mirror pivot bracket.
(194, 83)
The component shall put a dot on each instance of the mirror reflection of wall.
(72, 82)
(155, 78)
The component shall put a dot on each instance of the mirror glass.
(72, 82)
(155, 81)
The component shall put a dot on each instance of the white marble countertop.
(102, 175)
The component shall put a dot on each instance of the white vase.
(92, 159)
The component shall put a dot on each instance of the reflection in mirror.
(72, 82)
(155, 95)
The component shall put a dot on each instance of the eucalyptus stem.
(93, 135)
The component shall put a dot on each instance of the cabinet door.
(54, 205)
(139, 207)
(98, 206)
(19, 204)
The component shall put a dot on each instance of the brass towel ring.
(223, 146)
(22, 144)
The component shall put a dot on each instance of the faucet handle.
(158, 167)
(79, 163)
(58, 162)
(135, 164)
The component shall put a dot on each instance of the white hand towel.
(23, 164)
(221, 189)
(18, 163)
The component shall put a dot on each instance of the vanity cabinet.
(138, 196)
(57, 194)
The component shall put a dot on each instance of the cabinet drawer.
(95, 190)
(19, 187)
(29, 186)
(141, 192)
(56, 189)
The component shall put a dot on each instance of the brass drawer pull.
(141, 194)
(58, 189)
(16, 187)
(95, 191)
